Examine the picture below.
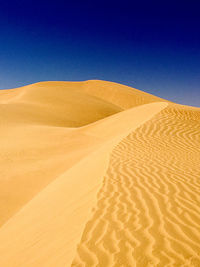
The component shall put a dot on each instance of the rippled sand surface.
(98, 174)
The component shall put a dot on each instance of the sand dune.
(120, 188)
(148, 212)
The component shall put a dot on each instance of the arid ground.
(98, 174)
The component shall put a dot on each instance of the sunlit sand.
(96, 173)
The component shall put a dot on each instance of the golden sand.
(97, 174)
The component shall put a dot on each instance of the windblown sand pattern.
(148, 209)
(97, 174)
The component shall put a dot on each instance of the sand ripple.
(148, 209)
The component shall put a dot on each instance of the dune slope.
(148, 211)
(68, 104)
(32, 154)
(47, 229)
(37, 141)
(53, 104)
(96, 173)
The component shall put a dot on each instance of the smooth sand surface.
(97, 174)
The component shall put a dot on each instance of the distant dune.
(96, 173)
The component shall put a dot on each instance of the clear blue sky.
(150, 45)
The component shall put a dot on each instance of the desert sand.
(96, 173)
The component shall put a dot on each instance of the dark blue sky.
(152, 45)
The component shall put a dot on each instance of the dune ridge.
(49, 220)
(38, 137)
(68, 104)
(147, 213)
(100, 165)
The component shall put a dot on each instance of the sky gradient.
(152, 46)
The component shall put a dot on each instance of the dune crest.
(147, 212)
(55, 217)
(100, 165)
